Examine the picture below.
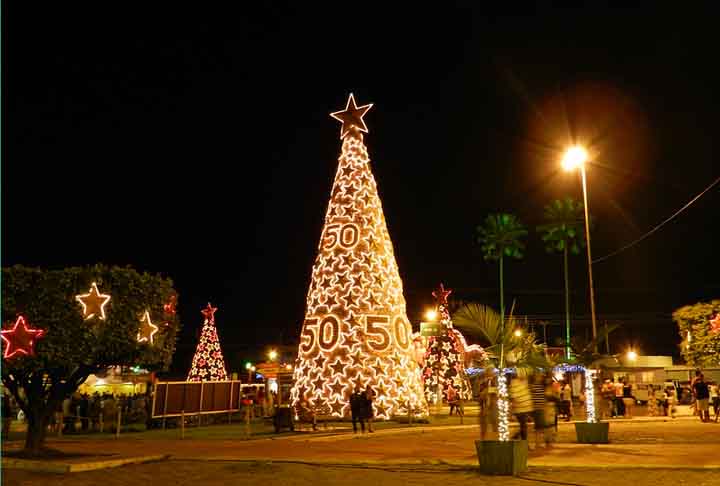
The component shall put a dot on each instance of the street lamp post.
(575, 157)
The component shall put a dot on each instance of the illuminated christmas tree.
(208, 363)
(356, 332)
(445, 355)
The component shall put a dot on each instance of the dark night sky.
(197, 143)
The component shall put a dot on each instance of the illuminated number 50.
(328, 332)
(347, 236)
(401, 332)
(375, 328)
(308, 335)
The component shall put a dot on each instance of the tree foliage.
(700, 345)
(72, 347)
(564, 227)
(500, 236)
(485, 323)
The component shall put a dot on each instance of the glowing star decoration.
(355, 316)
(20, 339)
(93, 303)
(441, 295)
(147, 331)
(714, 324)
(208, 363)
(351, 118)
(446, 356)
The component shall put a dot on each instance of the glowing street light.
(431, 315)
(575, 157)
(518, 332)
(632, 355)
(272, 354)
(248, 365)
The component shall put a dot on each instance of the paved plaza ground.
(641, 451)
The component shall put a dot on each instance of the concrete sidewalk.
(425, 445)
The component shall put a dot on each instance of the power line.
(676, 213)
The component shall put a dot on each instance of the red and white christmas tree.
(356, 331)
(445, 355)
(208, 363)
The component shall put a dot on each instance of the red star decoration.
(209, 312)
(441, 295)
(351, 117)
(715, 324)
(169, 308)
(20, 339)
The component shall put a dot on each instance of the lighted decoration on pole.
(147, 331)
(93, 303)
(445, 355)
(356, 331)
(208, 363)
(20, 340)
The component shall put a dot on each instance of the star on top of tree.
(351, 117)
(441, 295)
(209, 312)
(93, 303)
(20, 339)
(147, 330)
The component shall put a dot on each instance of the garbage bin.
(283, 418)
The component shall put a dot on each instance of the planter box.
(592, 433)
(507, 458)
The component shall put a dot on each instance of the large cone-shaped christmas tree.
(445, 355)
(356, 332)
(208, 363)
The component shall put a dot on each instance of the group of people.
(361, 408)
(537, 398)
(705, 394)
(618, 399)
(96, 409)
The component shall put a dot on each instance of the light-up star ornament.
(209, 312)
(93, 303)
(20, 339)
(441, 295)
(147, 330)
(351, 117)
(715, 323)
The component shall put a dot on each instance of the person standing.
(357, 403)
(619, 404)
(537, 390)
(608, 395)
(452, 399)
(369, 412)
(628, 398)
(702, 398)
(715, 399)
(566, 399)
(522, 405)
(552, 398)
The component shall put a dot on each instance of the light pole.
(575, 157)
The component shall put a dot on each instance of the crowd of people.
(100, 411)
(537, 398)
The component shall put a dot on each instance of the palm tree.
(482, 321)
(563, 232)
(500, 237)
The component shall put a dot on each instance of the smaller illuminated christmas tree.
(208, 363)
(445, 355)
